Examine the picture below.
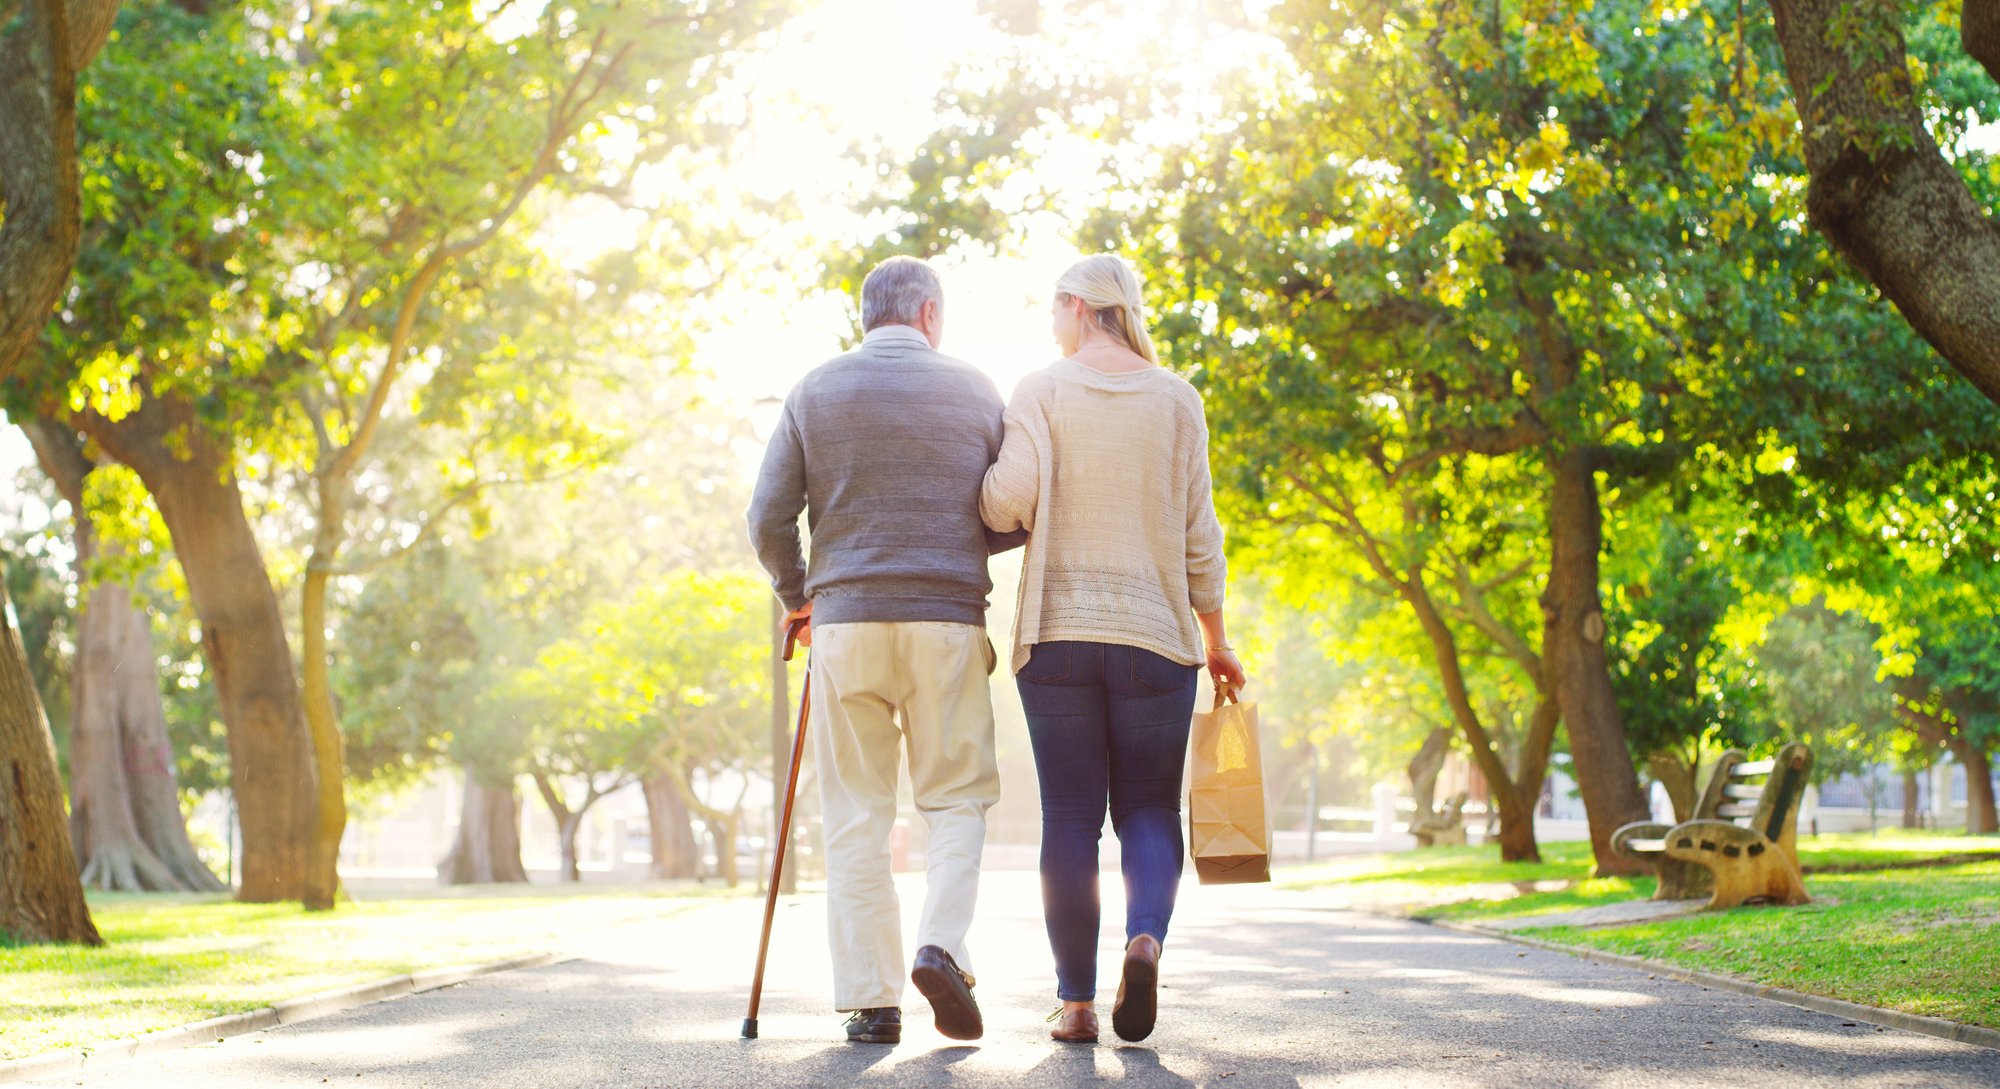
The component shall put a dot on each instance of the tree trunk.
(566, 843)
(130, 831)
(1423, 770)
(722, 825)
(189, 473)
(125, 811)
(1517, 829)
(102, 826)
(567, 822)
(1678, 776)
(41, 899)
(724, 828)
(1881, 191)
(487, 849)
(1517, 815)
(1980, 818)
(329, 820)
(1573, 639)
(675, 853)
(1911, 818)
(1934, 729)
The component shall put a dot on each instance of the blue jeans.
(1108, 723)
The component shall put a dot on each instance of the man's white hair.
(895, 292)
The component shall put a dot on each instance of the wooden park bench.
(1741, 844)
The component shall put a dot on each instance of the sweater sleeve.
(1207, 569)
(1014, 483)
(997, 541)
(774, 511)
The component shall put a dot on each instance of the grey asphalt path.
(1264, 989)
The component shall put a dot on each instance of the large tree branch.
(551, 797)
(38, 183)
(39, 189)
(1979, 31)
(1928, 725)
(370, 419)
(60, 452)
(1881, 191)
(593, 76)
(1526, 431)
(1473, 609)
(436, 517)
(1347, 522)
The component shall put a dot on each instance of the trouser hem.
(888, 1002)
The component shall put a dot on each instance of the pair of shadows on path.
(1144, 1067)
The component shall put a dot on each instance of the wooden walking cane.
(784, 834)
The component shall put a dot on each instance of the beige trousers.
(877, 687)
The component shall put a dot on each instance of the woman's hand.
(1226, 671)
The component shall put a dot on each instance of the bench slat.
(1740, 790)
(1646, 846)
(1754, 767)
(1731, 812)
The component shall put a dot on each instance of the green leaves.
(671, 674)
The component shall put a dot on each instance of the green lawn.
(1922, 941)
(1917, 938)
(172, 959)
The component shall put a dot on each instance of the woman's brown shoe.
(1138, 1002)
(1078, 1026)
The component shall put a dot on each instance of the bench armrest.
(1637, 830)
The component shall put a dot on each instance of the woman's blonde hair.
(1111, 291)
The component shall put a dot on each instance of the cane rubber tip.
(749, 1028)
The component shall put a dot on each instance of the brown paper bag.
(1227, 830)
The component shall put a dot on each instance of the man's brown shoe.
(1138, 1002)
(1078, 1026)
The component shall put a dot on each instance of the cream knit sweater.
(1109, 475)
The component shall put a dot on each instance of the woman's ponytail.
(1109, 287)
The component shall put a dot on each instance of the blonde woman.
(1105, 463)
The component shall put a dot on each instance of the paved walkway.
(1264, 989)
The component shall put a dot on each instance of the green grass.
(1924, 940)
(1472, 881)
(172, 959)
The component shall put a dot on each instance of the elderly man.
(885, 448)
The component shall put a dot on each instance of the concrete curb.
(289, 1012)
(1956, 1031)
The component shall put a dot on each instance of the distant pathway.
(1264, 989)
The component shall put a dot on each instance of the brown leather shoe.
(1075, 1026)
(1138, 1002)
